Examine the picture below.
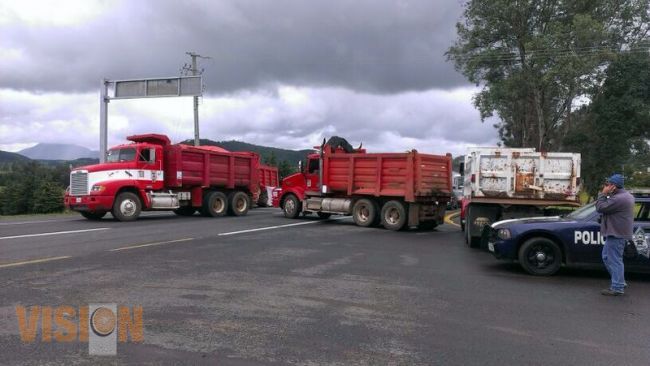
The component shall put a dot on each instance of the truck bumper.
(90, 203)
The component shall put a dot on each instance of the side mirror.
(300, 165)
(461, 168)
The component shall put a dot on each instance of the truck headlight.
(503, 234)
(98, 188)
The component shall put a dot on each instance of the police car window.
(583, 212)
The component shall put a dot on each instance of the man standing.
(617, 223)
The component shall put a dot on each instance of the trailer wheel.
(324, 215)
(185, 211)
(292, 207)
(93, 215)
(540, 256)
(127, 207)
(215, 204)
(364, 212)
(238, 203)
(393, 215)
(470, 241)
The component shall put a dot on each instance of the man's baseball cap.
(616, 180)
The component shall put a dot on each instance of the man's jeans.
(613, 259)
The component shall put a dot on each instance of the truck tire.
(470, 241)
(238, 203)
(93, 215)
(291, 207)
(540, 256)
(263, 199)
(324, 215)
(364, 212)
(127, 207)
(393, 215)
(185, 211)
(215, 204)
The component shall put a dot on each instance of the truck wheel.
(215, 204)
(393, 215)
(364, 212)
(127, 207)
(263, 199)
(238, 203)
(292, 207)
(540, 256)
(185, 211)
(324, 215)
(471, 241)
(93, 215)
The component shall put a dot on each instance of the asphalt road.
(253, 291)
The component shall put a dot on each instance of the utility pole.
(192, 69)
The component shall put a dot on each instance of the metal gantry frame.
(141, 88)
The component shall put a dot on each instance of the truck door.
(312, 175)
(150, 172)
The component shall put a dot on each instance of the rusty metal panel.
(521, 174)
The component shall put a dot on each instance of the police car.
(542, 245)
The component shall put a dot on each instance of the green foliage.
(533, 58)
(285, 169)
(48, 197)
(613, 132)
(31, 187)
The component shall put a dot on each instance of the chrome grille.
(78, 183)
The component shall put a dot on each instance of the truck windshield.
(583, 212)
(117, 155)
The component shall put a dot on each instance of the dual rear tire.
(392, 216)
(218, 204)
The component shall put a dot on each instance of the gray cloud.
(373, 46)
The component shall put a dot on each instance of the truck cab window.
(147, 156)
(117, 155)
(313, 166)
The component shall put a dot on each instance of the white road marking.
(53, 233)
(150, 244)
(278, 226)
(33, 261)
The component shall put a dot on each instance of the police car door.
(641, 234)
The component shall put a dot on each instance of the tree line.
(32, 187)
(563, 76)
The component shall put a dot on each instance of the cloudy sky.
(281, 73)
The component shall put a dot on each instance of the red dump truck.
(394, 189)
(151, 173)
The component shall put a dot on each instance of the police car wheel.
(540, 256)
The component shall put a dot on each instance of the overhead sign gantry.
(182, 86)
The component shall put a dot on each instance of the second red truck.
(396, 190)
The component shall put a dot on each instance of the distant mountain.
(44, 151)
(9, 157)
(291, 156)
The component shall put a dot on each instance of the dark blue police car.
(543, 244)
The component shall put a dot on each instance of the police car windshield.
(583, 212)
(117, 155)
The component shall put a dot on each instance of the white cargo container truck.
(507, 183)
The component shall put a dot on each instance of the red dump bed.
(268, 176)
(411, 176)
(190, 166)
